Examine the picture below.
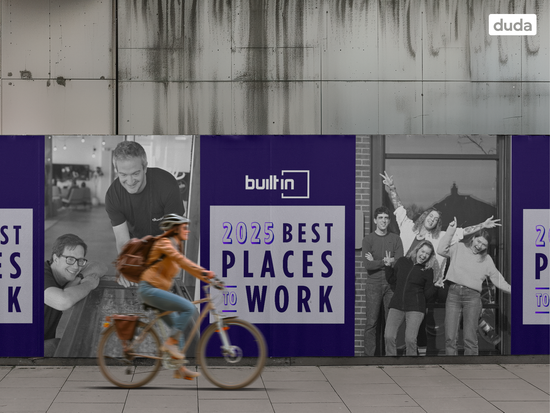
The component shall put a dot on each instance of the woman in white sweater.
(470, 266)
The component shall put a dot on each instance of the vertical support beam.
(504, 197)
(194, 214)
(378, 162)
(50, 209)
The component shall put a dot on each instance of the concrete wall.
(271, 67)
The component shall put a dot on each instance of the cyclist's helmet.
(171, 220)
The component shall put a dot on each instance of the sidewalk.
(486, 388)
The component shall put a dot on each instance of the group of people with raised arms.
(416, 272)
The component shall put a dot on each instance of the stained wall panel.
(25, 52)
(170, 107)
(153, 65)
(208, 36)
(445, 42)
(447, 108)
(535, 64)
(350, 45)
(495, 58)
(400, 40)
(81, 39)
(150, 24)
(273, 108)
(350, 107)
(535, 108)
(463, 107)
(275, 63)
(496, 107)
(77, 107)
(400, 107)
(275, 23)
(234, 109)
(249, 44)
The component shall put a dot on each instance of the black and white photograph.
(429, 186)
(89, 218)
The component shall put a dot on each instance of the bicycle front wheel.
(134, 368)
(244, 361)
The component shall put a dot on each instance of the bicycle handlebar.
(217, 283)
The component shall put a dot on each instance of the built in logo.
(291, 184)
(512, 24)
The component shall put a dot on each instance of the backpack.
(131, 262)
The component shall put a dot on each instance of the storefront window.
(457, 175)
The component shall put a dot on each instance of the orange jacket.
(160, 275)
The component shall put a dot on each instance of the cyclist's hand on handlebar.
(217, 284)
(208, 274)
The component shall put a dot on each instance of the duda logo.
(512, 24)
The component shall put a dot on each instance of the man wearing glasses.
(68, 278)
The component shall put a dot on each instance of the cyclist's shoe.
(184, 373)
(173, 350)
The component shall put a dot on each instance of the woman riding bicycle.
(166, 259)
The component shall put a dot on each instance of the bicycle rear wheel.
(247, 358)
(126, 370)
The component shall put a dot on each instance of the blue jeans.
(395, 318)
(466, 303)
(165, 300)
(376, 294)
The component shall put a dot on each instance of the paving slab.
(310, 408)
(235, 406)
(379, 400)
(160, 402)
(32, 382)
(93, 396)
(4, 371)
(38, 372)
(23, 393)
(356, 374)
(445, 388)
(86, 408)
(456, 405)
(239, 394)
(367, 388)
(479, 372)
(290, 373)
(523, 407)
(427, 381)
(387, 409)
(457, 390)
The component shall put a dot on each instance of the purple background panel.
(530, 190)
(226, 160)
(22, 186)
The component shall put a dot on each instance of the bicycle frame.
(225, 342)
(206, 310)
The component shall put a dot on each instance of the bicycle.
(222, 346)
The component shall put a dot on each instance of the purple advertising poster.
(21, 246)
(277, 225)
(530, 322)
